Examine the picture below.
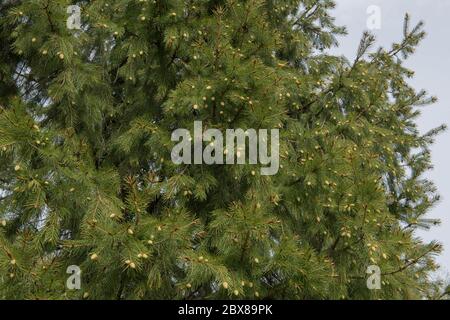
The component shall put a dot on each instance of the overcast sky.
(431, 63)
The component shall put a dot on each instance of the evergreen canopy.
(86, 176)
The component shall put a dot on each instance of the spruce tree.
(87, 180)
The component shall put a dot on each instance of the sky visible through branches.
(431, 64)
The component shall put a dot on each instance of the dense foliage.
(86, 176)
